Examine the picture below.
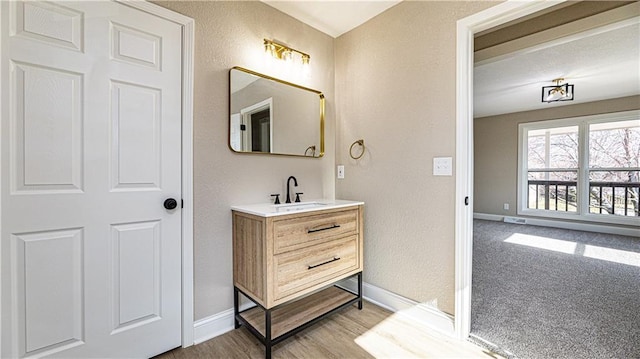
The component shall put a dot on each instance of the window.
(581, 168)
(553, 168)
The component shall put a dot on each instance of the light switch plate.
(340, 172)
(443, 166)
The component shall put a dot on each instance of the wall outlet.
(442, 166)
(340, 172)
(505, 206)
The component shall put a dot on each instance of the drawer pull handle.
(323, 229)
(323, 263)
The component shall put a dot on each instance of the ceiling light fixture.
(283, 52)
(557, 92)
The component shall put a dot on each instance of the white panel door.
(91, 148)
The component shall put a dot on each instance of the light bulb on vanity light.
(287, 55)
(269, 48)
(306, 68)
(269, 51)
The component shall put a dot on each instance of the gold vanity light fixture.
(283, 52)
(557, 92)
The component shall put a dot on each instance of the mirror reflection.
(273, 116)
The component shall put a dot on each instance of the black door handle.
(170, 203)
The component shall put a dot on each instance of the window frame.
(582, 183)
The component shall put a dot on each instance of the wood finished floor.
(371, 333)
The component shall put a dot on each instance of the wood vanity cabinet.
(286, 264)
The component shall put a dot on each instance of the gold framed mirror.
(273, 116)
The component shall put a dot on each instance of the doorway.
(256, 127)
(466, 28)
(470, 155)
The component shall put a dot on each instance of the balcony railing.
(619, 198)
(553, 192)
(606, 197)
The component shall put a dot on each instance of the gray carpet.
(541, 303)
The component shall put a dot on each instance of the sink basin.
(292, 207)
(270, 209)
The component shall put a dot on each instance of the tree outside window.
(614, 160)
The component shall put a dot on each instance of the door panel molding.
(52, 23)
(49, 265)
(136, 274)
(32, 113)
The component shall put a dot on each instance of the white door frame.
(466, 28)
(246, 113)
(188, 28)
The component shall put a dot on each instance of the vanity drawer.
(298, 270)
(299, 232)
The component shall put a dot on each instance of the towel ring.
(311, 148)
(358, 142)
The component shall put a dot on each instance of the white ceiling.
(601, 64)
(333, 17)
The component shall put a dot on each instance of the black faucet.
(295, 183)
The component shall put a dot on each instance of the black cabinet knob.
(170, 203)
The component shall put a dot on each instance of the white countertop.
(271, 210)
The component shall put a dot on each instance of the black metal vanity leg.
(360, 291)
(235, 308)
(267, 333)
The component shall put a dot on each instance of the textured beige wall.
(230, 34)
(395, 88)
(496, 150)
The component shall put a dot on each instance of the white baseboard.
(220, 323)
(210, 327)
(488, 217)
(217, 324)
(588, 227)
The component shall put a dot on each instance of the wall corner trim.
(424, 314)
